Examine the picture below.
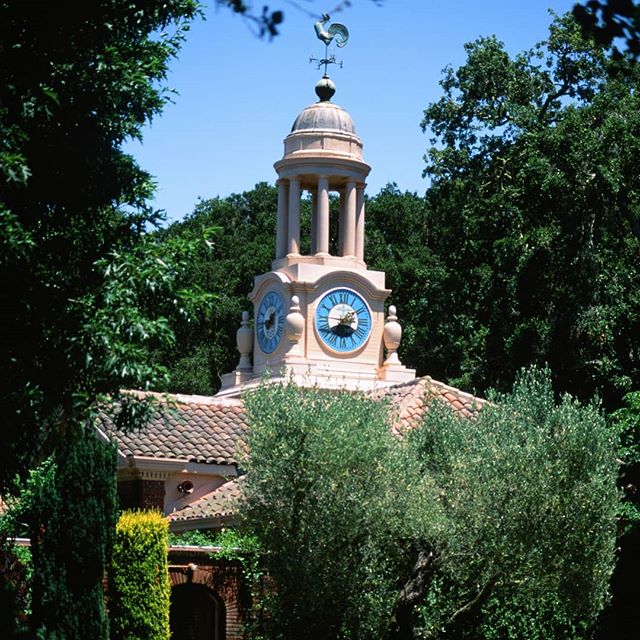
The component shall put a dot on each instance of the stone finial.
(244, 341)
(295, 321)
(392, 337)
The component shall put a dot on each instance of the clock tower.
(319, 318)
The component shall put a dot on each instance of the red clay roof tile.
(192, 429)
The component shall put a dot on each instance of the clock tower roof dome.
(324, 130)
(324, 115)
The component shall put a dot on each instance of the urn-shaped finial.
(392, 337)
(295, 321)
(244, 341)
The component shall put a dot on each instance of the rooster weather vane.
(337, 32)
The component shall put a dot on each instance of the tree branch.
(563, 90)
(469, 609)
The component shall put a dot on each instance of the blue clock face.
(343, 320)
(270, 322)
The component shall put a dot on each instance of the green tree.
(535, 217)
(75, 82)
(71, 531)
(497, 527)
(529, 494)
(399, 241)
(21, 504)
(84, 287)
(67, 507)
(243, 246)
(609, 20)
(324, 498)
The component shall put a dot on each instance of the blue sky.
(239, 95)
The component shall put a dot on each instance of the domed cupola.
(322, 154)
(324, 116)
(323, 128)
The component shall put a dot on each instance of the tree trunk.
(411, 594)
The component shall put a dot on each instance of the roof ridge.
(459, 392)
(183, 398)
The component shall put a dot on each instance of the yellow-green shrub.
(140, 589)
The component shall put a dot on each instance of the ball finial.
(325, 88)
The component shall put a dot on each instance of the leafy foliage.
(15, 592)
(22, 502)
(502, 526)
(243, 246)
(266, 23)
(399, 241)
(625, 422)
(194, 537)
(75, 82)
(320, 499)
(529, 494)
(534, 218)
(609, 20)
(139, 578)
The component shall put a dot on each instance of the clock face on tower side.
(270, 322)
(343, 320)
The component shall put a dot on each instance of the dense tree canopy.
(84, 288)
(242, 247)
(76, 80)
(537, 199)
(499, 527)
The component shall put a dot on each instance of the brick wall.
(222, 578)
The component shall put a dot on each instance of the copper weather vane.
(335, 32)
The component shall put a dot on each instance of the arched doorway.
(196, 613)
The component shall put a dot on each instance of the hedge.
(139, 581)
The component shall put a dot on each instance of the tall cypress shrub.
(72, 537)
(139, 579)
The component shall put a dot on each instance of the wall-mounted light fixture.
(186, 486)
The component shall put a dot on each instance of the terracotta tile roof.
(211, 430)
(194, 429)
(219, 503)
(410, 401)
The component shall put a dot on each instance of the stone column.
(341, 223)
(322, 217)
(360, 222)
(282, 220)
(314, 223)
(350, 220)
(294, 217)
